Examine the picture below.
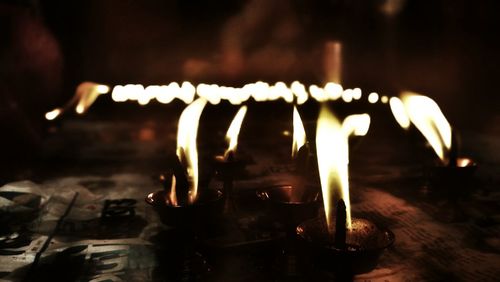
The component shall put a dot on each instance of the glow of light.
(164, 95)
(463, 162)
(80, 109)
(118, 94)
(332, 146)
(53, 114)
(384, 99)
(299, 90)
(356, 93)
(284, 92)
(399, 112)
(333, 90)
(347, 95)
(102, 89)
(427, 117)
(234, 130)
(172, 196)
(299, 133)
(259, 91)
(318, 93)
(86, 94)
(187, 92)
(373, 98)
(187, 132)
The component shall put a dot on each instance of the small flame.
(299, 133)
(427, 117)
(53, 114)
(187, 132)
(332, 147)
(399, 112)
(85, 96)
(172, 196)
(87, 93)
(234, 130)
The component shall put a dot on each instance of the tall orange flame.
(332, 148)
(187, 152)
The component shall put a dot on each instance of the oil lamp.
(227, 166)
(451, 175)
(181, 203)
(297, 200)
(336, 241)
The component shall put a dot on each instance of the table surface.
(83, 232)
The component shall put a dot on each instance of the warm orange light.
(427, 117)
(332, 148)
(234, 130)
(299, 133)
(187, 152)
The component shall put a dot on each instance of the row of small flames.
(332, 135)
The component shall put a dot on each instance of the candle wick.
(340, 225)
(453, 152)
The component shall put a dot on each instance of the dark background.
(445, 49)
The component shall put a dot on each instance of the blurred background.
(445, 49)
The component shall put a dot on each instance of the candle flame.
(333, 158)
(172, 196)
(427, 117)
(85, 96)
(299, 133)
(187, 132)
(399, 112)
(87, 93)
(234, 130)
(53, 114)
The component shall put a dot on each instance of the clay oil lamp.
(451, 174)
(337, 241)
(182, 203)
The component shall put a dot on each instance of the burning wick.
(332, 148)
(340, 226)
